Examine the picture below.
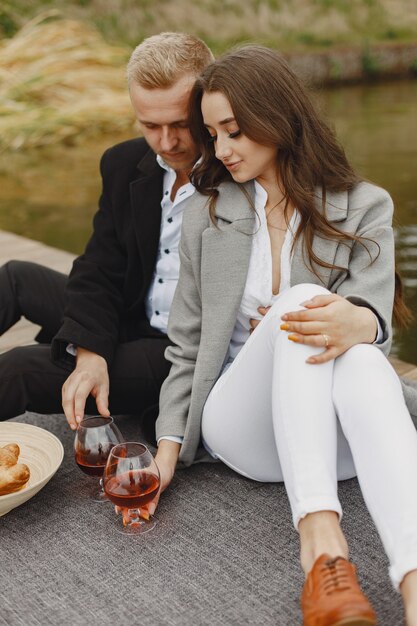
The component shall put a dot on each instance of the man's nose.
(169, 139)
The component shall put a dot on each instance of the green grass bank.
(291, 25)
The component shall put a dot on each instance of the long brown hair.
(271, 106)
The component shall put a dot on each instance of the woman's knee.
(360, 358)
(354, 367)
(293, 298)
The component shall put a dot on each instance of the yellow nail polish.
(285, 327)
(293, 338)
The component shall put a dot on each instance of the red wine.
(91, 464)
(132, 489)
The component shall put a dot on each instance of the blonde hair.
(159, 61)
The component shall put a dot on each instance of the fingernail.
(284, 317)
(311, 360)
(72, 426)
(293, 338)
(285, 327)
(78, 419)
(305, 303)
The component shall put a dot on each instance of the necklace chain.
(269, 213)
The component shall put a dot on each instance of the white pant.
(272, 417)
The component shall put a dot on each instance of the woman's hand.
(166, 459)
(331, 322)
(253, 322)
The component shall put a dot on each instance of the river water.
(51, 195)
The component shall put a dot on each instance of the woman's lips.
(232, 166)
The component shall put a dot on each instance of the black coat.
(108, 284)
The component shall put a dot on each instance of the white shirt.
(161, 292)
(258, 288)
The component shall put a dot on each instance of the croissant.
(13, 475)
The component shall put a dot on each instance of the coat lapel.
(226, 250)
(325, 249)
(145, 197)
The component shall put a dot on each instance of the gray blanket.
(224, 552)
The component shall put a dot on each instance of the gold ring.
(326, 339)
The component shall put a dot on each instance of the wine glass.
(131, 480)
(94, 439)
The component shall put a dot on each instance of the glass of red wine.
(131, 480)
(94, 439)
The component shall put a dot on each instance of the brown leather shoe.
(332, 596)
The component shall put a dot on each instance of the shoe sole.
(355, 621)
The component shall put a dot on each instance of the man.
(110, 316)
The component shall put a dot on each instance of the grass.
(290, 24)
(61, 73)
(60, 82)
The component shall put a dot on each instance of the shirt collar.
(163, 164)
(166, 167)
(261, 196)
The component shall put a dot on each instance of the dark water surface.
(51, 195)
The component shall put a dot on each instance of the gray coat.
(214, 265)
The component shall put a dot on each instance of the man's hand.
(89, 377)
(331, 322)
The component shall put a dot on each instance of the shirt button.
(160, 280)
(166, 251)
(156, 312)
(166, 193)
(169, 220)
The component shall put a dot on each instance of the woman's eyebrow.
(223, 122)
(227, 121)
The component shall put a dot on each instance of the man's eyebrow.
(182, 121)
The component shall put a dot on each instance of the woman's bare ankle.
(320, 533)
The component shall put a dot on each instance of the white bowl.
(40, 450)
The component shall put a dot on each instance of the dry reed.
(60, 82)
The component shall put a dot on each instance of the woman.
(283, 239)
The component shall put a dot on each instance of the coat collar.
(148, 164)
(235, 202)
(145, 200)
(237, 207)
(336, 208)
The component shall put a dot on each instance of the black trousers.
(31, 381)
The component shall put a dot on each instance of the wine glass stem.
(134, 517)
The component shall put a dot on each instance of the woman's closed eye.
(213, 138)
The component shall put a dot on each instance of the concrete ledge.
(353, 65)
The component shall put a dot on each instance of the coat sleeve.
(370, 280)
(184, 330)
(94, 299)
